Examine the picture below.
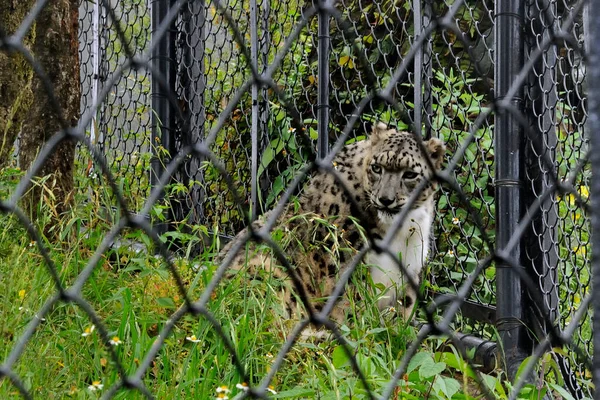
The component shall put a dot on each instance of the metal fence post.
(427, 71)
(163, 116)
(324, 50)
(192, 84)
(509, 144)
(594, 122)
(255, 112)
(418, 63)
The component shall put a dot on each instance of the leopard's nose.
(386, 202)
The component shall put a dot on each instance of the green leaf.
(418, 360)
(430, 368)
(166, 302)
(447, 386)
(339, 357)
(562, 391)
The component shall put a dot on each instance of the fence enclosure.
(261, 88)
(324, 75)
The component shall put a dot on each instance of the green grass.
(134, 295)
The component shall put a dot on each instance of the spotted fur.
(322, 232)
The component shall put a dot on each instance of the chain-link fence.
(200, 116)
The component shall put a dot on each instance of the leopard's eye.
(410, 175)
(376, 168)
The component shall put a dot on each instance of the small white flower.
(223, 389)
(243, 386)
(88, 331)
(115, 341)
(271, 389)
(193, 339)
(450, 253)
(455, 221)
(269, 355)
(96, 385)
(222, 392)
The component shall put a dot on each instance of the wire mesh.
(246, 87)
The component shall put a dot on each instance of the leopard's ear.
(436, 150)
(378, 132)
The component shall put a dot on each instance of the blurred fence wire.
(224, 108)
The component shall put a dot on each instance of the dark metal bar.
(194, 84)
(594, 134)
(324, 50)
(418, 62)
(163, 115)
(264, 183)
(509, 145)
(427, 70)
(255, 112)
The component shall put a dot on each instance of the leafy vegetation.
(134, 294)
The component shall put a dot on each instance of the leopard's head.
(395, 165)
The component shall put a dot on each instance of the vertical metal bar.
(193, 50)
(509, 172)
(163, 116)
(324, 49)
(594, 134)
(103, 70)
(418, 67)
(264, 183)
(95, 67)
(255, 112)
(427, 71)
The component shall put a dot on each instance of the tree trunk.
(15, 79)
(56, 49)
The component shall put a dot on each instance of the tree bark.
(56, 48)
(15, 79)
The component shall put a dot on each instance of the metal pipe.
(324, 50)
(428, 71)
(509, 145)
(418, 62)
(193, 80)
(255, 113)
(163, 116)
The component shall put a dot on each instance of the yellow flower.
(96, 385)
(88, 331)
(22, 294)
(115, 341)
(584, 191)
